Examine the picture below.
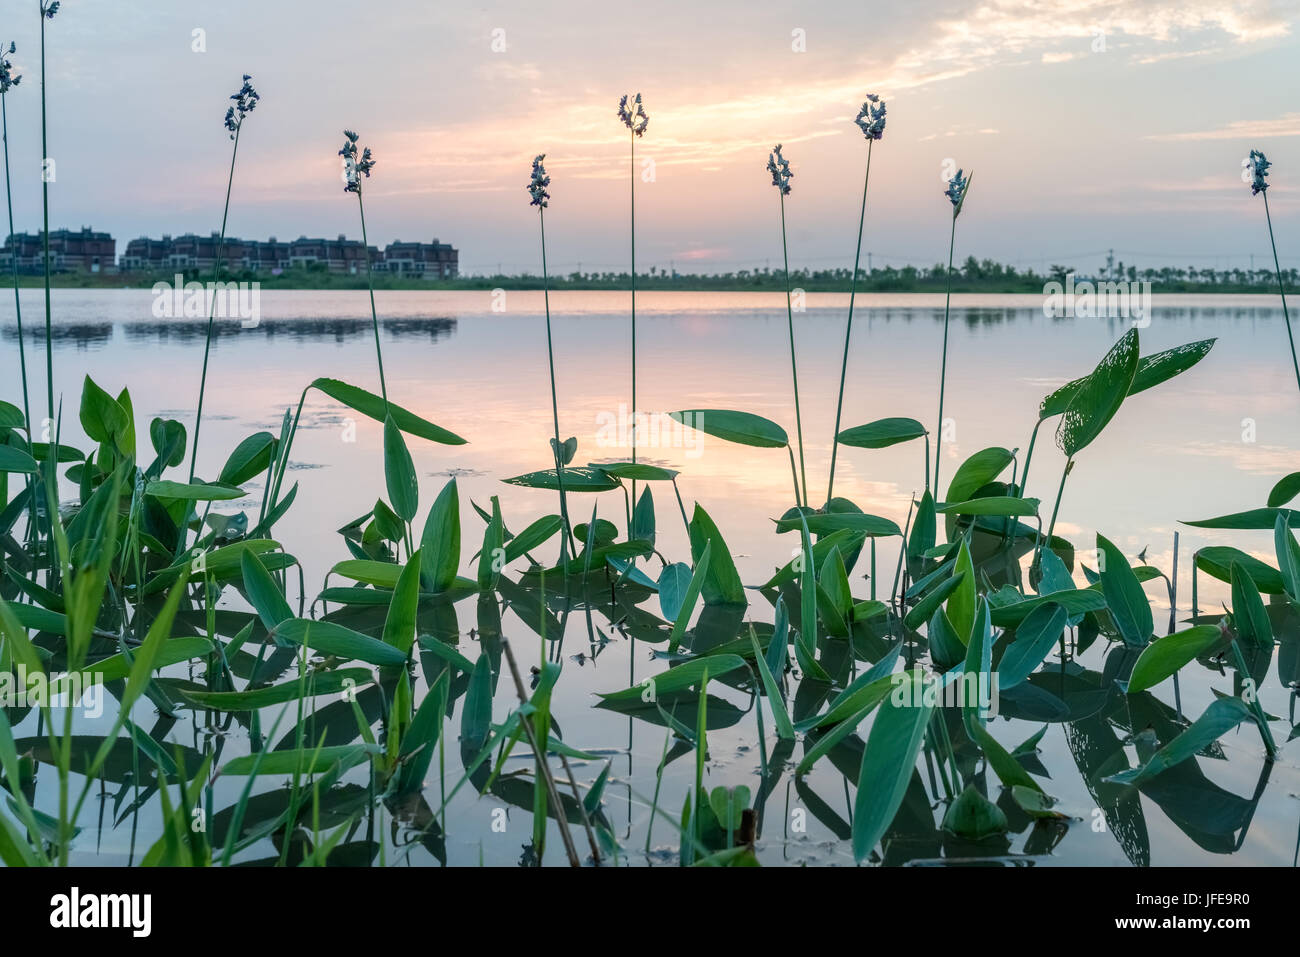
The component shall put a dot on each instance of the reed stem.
(794, 369)
(1282, 291)
(370, 283)
(18, 311)
(632, 204)
(45, 237)
(848, 332)
(943, 367)
(216, 273)
(555, 404)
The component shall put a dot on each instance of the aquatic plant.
(357, 164)
(48, 10)
(540, 198)
(779, 167)
(956, 193)
(8, 80)
(368, 668)
(1257, 166)
(871, 120)
(632, 114)
(246, 99)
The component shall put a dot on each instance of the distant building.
(268, 256)
(145, 255)
(434, 260)
(340, 255)
(83, 250)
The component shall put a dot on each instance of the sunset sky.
(1075, 148)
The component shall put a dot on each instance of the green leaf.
(116, 667)
(579, 479)
(1248, 612)
(263, 591)
(1124, 596)
(973, 817)
(476, 716)
(1285, 490)
(322, 682)
(687, 604)
(298, 761)
(102, 418)
(399, 625)
(846, 540)
(399, 473)
(674, 580)
(889, 761)
(250, 458)
(1099, 398)
(16, 460)
(167, 436)
(823, 523)
(491, 556)
(722, 585)
(440, 544)
(535, 535)
(1035, 637)
(374, 407)
(1217, 561)
(675, 680)
(923, 609)
(1166, 655)
(379, 574)
(421, 737)
(328, 638)
(882, 433)
(999, 505)
(638, 471)
(1288, 556)
(196, 492)
(1151, 371)
(834, 581)
(961, 603)
(923, 529)
(784, 729)
(743, 428)
(11, 417)
(977, 471)
(1219, 718)
(1255, 518)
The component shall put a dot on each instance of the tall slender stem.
(848, 331)
(1281, 291)
(370, 282)
(212, 312)
(18, 311)
(1029, 455)
(632, 204)
(1051, 526)
(943, 367)
(555, 404)
(45, 203)
(794, 368)
(18, 314)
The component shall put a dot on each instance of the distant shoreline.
(302, 280)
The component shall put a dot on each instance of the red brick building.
(433, 260)
(83, 250)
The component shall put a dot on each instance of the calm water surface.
(1211, 441)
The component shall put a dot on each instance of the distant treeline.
(974, 275)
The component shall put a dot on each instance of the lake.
(1211, 441)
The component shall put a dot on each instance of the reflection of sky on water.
(1171, 454)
